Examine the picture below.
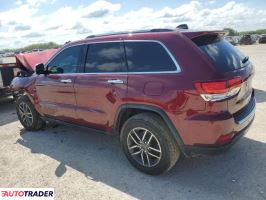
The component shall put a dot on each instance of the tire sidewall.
(35, 115)
(164, 163)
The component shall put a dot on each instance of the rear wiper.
(245, 59)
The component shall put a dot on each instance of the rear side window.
(223, 55)
(104, 58)
(148, 57)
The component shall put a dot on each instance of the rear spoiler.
(197, 34)
(30, 60)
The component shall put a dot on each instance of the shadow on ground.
(238, 174)
(7, 110)
(260, 95)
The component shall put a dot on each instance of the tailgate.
(245, 94)
(230, 63)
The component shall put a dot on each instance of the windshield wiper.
(245, 59)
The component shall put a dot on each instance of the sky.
(23, 22)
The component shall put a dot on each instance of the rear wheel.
(27, 114)
(148, 144)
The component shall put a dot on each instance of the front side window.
(148, 57)
(104, 58)
(67, 61)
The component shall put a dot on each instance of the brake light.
(235, 82)
(211, 87)
(218, 90)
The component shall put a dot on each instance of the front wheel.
(27, 114)
(148, 144)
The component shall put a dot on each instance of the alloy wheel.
(25, 114)
(144, 147)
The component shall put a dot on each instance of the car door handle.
(115, 81)
(66, 81)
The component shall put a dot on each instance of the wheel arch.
(127, 110)
(25, 94)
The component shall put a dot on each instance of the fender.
(26, 86)
(122, 109)
(24, 92)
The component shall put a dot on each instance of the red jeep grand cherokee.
(166, 93)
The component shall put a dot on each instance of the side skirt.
(49, 119)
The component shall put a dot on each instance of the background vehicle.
(231, 39)
(20, 64)
(246, 39)
(8, 70)
(165, 93)
(262, 39)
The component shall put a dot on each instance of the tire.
(153, 152)
(27, 114)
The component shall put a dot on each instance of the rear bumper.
(191, 151)
(210, 127)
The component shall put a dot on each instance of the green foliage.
(42, 46)
(231, 32)
(49, 45)
(259, 31)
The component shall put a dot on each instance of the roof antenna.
(182, 26)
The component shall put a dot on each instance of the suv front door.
(102, 88)
(56, 89)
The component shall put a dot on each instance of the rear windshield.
(224, 56)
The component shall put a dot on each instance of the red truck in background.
(20, 65)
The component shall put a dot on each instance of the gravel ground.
(82, 165)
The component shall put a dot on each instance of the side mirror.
(39, 68)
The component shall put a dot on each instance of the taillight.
(218, 90)
(234, 83)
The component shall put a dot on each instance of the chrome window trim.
(60, 50)
(178, 69)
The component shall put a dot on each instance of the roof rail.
(137, 31)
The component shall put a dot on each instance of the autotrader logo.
(27, 193)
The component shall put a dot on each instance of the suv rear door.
(102, 88)
(56, 89)
(152, 74)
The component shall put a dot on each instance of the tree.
(259, 31)
(41, 46)
(231, 32)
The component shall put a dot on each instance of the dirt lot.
(82, 165)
